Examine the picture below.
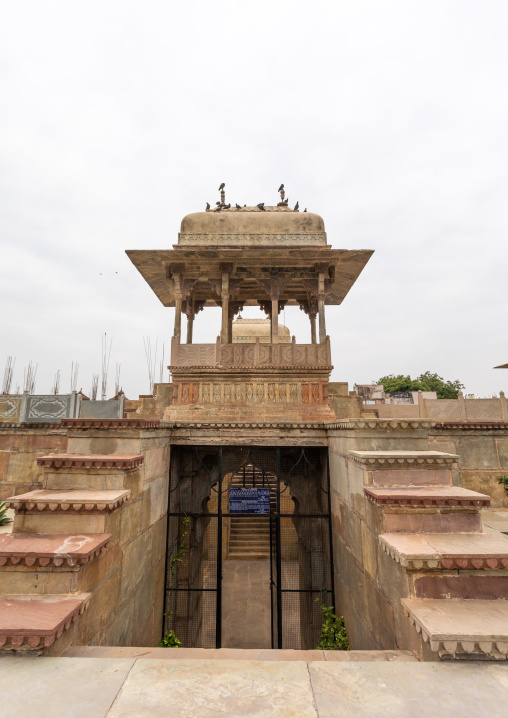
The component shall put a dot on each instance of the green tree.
(424, 382)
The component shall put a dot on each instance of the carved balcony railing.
(250, 355)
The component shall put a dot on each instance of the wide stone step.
(70, 501)
(91, 461)
(460, 628)
(35, 622)
(478, 551)
(20, 549)
(248, 555)
(425, 497)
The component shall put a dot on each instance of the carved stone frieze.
(313, 239)
(249, 392)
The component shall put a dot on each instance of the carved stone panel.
(196, 355)
(10, 408)
(49, 407)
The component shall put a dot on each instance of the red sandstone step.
(37, 621)
(91, 461)
(72, 501)
(425, 496)
(50, 549)
(460, 628)
(447, 551)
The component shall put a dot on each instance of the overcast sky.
(389, 119)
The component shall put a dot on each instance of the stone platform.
(132, 687)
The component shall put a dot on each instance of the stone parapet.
(91, 461)
(18, 549)
(35, 622)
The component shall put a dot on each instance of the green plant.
(170, 640)
(4, 519)
(333, 632)
(504, 480)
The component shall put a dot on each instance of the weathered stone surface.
(33, 622)
(462, 586)
(435, 522)
(458, 627)
(210, 688)
(449, 551)
(51, 549)
(86, 688)
(422, 496)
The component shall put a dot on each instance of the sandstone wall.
(369, 585)
(483, 457)
(20, 446)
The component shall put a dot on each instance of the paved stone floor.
(246, 613)
(193, 688)
(495, 520)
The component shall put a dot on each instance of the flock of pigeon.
(260, 206)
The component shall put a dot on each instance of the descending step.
(447, 551)
(50, 549)
(249, 538)
(33, 622)
(71, 500)
(427, 496)
(459, 628)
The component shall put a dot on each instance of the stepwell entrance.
(249, 546)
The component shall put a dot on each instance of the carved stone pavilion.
(229, 504)
(235, 258)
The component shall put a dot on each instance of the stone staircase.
(249, 534)
(48, 572)
(457, 575)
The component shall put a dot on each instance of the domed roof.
(248, 330)
(250, 225)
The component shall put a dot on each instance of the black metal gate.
(199, 539)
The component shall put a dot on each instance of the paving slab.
(406, 690)
(60, 688)
(206, 689)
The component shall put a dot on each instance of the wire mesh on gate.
(300, 555)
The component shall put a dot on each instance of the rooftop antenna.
(56, 383)
(9, 369)
(161, 368)
(149, 363)
(95, 384)
(29, 374)
(105, 364)
(74, 376)
(117, 379)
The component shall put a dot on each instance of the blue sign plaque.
(249, 501)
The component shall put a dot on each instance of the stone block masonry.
(106, 501)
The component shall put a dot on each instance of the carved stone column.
(178, 309)
(275, 320)
(225, 307)
(312, 318)
(321, 307)
(189, 311)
